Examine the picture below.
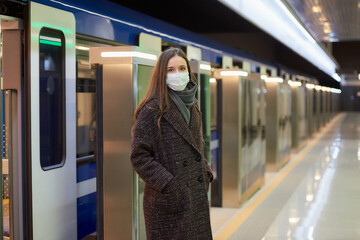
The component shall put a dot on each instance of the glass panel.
(213, 110)
(52, 99)
(205, 106)
(144, 77)
(143, 81)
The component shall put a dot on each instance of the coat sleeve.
(142, 151)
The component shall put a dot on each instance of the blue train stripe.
(86, 211)
(86, 199)
(85, 172)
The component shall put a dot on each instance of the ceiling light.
(234, 73)
(205, 66)
(294, 83)
(82, 48)
(316, 9)
(275, 18)
(309, 197)
(274, 80)
(322, 19)
(327, 30)
(129, 54)
(294, 20)
(212, 80)
(336, 77)
(317, 87)
(293, 220)
(335, 90)
(263, 77)
(359, 76)
(310, 85)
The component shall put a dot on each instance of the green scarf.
(184, 100)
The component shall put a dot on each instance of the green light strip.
(50, 42)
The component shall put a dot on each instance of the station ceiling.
(333, 23)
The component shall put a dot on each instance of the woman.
(168, 153)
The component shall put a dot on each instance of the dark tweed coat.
(175, 173)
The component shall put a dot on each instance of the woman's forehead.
(176, 61)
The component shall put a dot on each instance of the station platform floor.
(315, 196)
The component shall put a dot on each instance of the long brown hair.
(158, 87)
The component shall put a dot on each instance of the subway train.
(72, 74)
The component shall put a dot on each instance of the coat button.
(198, 158)
(185, 163)
(188, 184)
(200, 179)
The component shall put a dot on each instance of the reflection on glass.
(85, 100)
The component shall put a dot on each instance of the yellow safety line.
(5, 201)
(241, 217)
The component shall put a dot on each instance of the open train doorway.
(215, 143)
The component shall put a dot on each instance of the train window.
(52, 98)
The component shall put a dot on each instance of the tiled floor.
(318, 199)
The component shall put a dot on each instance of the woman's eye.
(170, 70)
(183, 69)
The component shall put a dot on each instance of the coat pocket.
(173, 200)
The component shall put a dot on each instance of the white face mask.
(177, 81)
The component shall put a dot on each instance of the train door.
(317, 103)
(310, 110)
(303, 98)
(321, 109)
(205, 103)
(12, 202)
(287, 123)
(53, 123)
(231, 134)
(282, 120)
(201, 70)
(245, 135)
(255, 128)
(255, 177)
(299, 116)
(262, 114)
(315, 110)
(123, 77)
(215, 144)
(86, 136)
(277, 106)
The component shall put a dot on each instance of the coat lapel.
(174, 117)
